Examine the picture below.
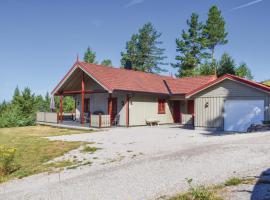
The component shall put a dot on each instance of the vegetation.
(197, 193)
(88, 149)
(22, 109)
(191, 47)
(106, 62)
(90, 56)
(214, 30)
(267, 82)
(25, 151)
(196, 48)
(143, 52)
(233, 181)
(211, 192)
(7, 160)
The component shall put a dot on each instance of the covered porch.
(94, 105)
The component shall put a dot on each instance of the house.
(131, 98)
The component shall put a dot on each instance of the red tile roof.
(113, 79)
(231, 77)
(126, 80)
(185, 85)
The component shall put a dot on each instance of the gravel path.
(166, 156)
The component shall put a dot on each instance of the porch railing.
(187, 119)
(49, 117)
(100, 121)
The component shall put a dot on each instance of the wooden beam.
(61, 108)
(82, 94)
(72, 92)
(110, 108)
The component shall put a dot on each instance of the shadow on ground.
(261, 190)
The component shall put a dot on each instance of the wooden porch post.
(82, 94)
(110, 108)
(61, 108)
(127, 111)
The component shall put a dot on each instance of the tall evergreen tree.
(90, 56)
(143, 52)
(129, 59)
(214, 30)
(243, 71)
(106, 62)
(226, 65)
(190, 47)
(16, 94)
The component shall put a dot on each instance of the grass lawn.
(33, 150)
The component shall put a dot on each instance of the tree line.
(21, 110)
(195, 48)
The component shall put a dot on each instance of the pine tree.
(16, 94)
(129, 59)
(90, 56)
(243, 71)
(214, 30)
(226, 65)
(191, 47)
(106, 62)
(143, 52)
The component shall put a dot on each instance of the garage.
(231, 103)
(240, 114)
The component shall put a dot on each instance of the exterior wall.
(99, 102)
(145, 106)
(211, 116)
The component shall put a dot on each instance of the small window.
(161, 106)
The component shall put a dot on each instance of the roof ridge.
(126, 70)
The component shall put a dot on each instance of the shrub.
(7, 156)
(89, 149)
(197, 193)
(233, 181)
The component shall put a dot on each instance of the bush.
(233, 181)
(7, 156)
(197, 193)
(89, 149)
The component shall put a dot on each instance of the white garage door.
(240, 114)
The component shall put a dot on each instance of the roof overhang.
(237, 79)
(76, 65)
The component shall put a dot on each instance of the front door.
(112, 108)
(176, 112)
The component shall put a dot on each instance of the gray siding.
(212, 116)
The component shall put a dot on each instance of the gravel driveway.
(145, 163)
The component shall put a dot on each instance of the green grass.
(88, 149)
(233, 181)
(33, 150)
(198, 193)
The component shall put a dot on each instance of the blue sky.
(39, 39)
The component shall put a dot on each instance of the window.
(161, 106)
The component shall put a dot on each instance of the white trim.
(71, 72)
(64, 80)
(94, 79)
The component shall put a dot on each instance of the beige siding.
(99, 102)
(231, 88)
(121, 108)
(212, 116)
(144, 107)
